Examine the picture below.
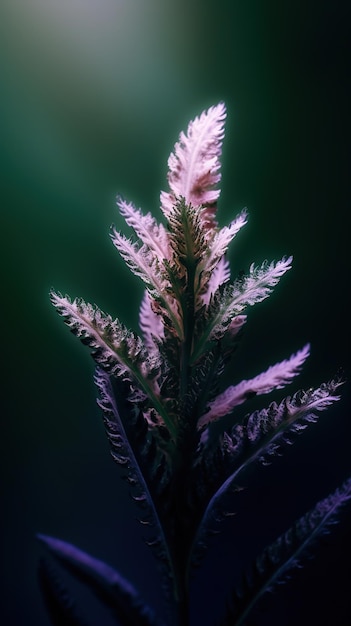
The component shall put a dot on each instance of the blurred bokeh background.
(93, 96)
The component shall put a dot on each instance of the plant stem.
(183, 612)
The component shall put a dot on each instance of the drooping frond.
(263, 431)
(152, 234)
(194, 167)
(116, 349)
(276, 377)
(136, 447)
(285, 555)
(111, 588)
(258, 438)
(231, 300)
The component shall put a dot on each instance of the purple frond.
(118, 593)
(278, 560)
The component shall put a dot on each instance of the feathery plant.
(162, 400)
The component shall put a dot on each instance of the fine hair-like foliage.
(163, 401)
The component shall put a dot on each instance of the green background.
(94, 95)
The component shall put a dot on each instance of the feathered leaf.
(212, 256)
(231, 300)
(187, 235)
(285, 554)
(148, 266)
(276, 377)
(188, 241)
(219, 241)
(150, 323)
(143, 262)
(111, 588)
(194, 167)
(258, 284)
(131, 440)
(152, 234)
(219, 276)
(133, 446)
(116, 349)
(257, 438)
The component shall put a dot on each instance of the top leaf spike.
(194, 166)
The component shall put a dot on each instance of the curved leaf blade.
(58, 603)
(259, 438)
(149, 480)
(107, 583)
(285, 554)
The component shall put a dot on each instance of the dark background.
(94, 94)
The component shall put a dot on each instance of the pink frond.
(276, 377)
(194, 167)
(148, 266)
(257, 285)
(149, 322)
(236, 324)
(218, 244)
(219, 276)
(141, 261)
(152, 234)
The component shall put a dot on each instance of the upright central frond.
(189, 245)
(194, 166)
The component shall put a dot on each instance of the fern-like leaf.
(110, 587)
(116, 349)
(258, 438)
(136, 450)
(150, 323)
(231, 300)
(194, 167)
(285, 554)
(152, 234)
(275, 377)
(188, 241)
(219, 276)
(142, 261)
(148, 266)
(219, 241)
